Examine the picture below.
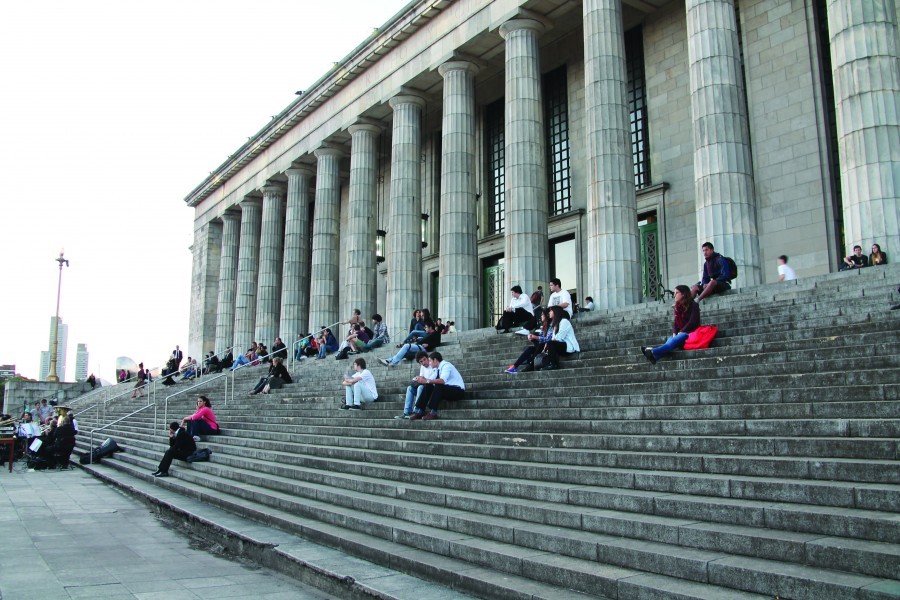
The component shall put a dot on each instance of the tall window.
(637, 106)
(556, 118)
(496, 171)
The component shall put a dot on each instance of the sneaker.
(429, 417)
(415, 416)
(648, 353)
(523, 331)
(385, 362)
(160, 474)
(355, 407)
(345, 406)
(511, 369)
(196, 438)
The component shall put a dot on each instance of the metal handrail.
(205, 365)
(91, 447)
(196, 385)
(311, 335)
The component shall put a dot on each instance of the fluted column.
(404, 238)
(360, 258)
(525, 158)
(231, 229)
(723, 176)
(614, 260)
(865, 62)
(271, 254)
(458, 293)
(295, 276)
(247, 274)
(323, 277)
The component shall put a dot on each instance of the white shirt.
(567, 334)
(561, 297)
(521, 302)
(787, 271)
(366, 379)
(427, 371)
(450, 375)
(29, 430)
(588, 306)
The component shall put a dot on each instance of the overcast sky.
(110, 114)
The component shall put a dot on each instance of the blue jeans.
(412, 395)
(673, 343)
(373, 344)
(414, 335)
(241, 360)
(200, 427)
(404, 350)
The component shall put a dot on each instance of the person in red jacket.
(687, 319)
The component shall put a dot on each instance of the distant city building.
(60, 352)
(7, 371)
(81, 362)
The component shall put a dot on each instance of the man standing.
(359, 389)
(716, 276)
(181, 445)
(785, 273)
(448, 385)
(177, 355)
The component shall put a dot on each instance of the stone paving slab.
(67, 535)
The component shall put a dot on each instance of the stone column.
(247, 275)
(614, 260)
(865, 61)
(526, 158)
(295, 276)
(231, 226)
(204, 287)
(458, 293)
(360, 259)
(271, 254)
(404, 238)
(723, 176)
(323, 278)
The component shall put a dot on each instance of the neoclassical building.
(470, 145)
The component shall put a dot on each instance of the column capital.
(231, 213)
(522, 23)
(328, 150)
(402, 99)
(250, 202)
(273, 188)
(300, 171)
(365, 125)
(458, 65)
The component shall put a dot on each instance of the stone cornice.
(391, 34)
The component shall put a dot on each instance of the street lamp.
(52, 375)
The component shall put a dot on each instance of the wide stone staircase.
(765, 466)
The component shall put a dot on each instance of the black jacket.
(181, 444)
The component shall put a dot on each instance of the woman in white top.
(563, 342)
(518, 312)
(359, 389)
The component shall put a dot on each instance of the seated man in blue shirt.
(716, 277)
(448, 385)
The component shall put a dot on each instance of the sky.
(110, 114)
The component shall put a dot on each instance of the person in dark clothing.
(278, 376)
(716, 277)
(279, 350)
(64, 441)
(857, 260)
(687, 319)
(181, 445)
(428, 343)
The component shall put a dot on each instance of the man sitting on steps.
(716, 277)
(428, 343)
(448, 385)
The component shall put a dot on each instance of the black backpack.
(732, 268)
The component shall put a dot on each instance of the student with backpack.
(717, 274)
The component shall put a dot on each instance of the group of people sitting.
(54, 433)
(858, 260)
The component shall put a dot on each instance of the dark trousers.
(200, 427)
(528, 354)
(167, 458)
(432, 395)
(555, 350)
(511, 319)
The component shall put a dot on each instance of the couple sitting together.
(554, 339)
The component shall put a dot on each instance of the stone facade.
(759, 131)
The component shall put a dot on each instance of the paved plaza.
(67, 535)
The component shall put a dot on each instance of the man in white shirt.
(785, 273)
(359, 389)
(518, 312)
(559, 297)
(448, 385)
(414, 390)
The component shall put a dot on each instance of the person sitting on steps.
(537, 342)
(360, 389)
(857, 260)
(203, 421)
(716, 274)
(415, 388)
(277, 377)
(448, 385)
(563, 342)
(519, 312)
(428, 343)
(181, 445)
(686, 320)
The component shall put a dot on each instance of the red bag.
(701, 337)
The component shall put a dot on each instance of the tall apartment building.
(81, 362)
(60, 352)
